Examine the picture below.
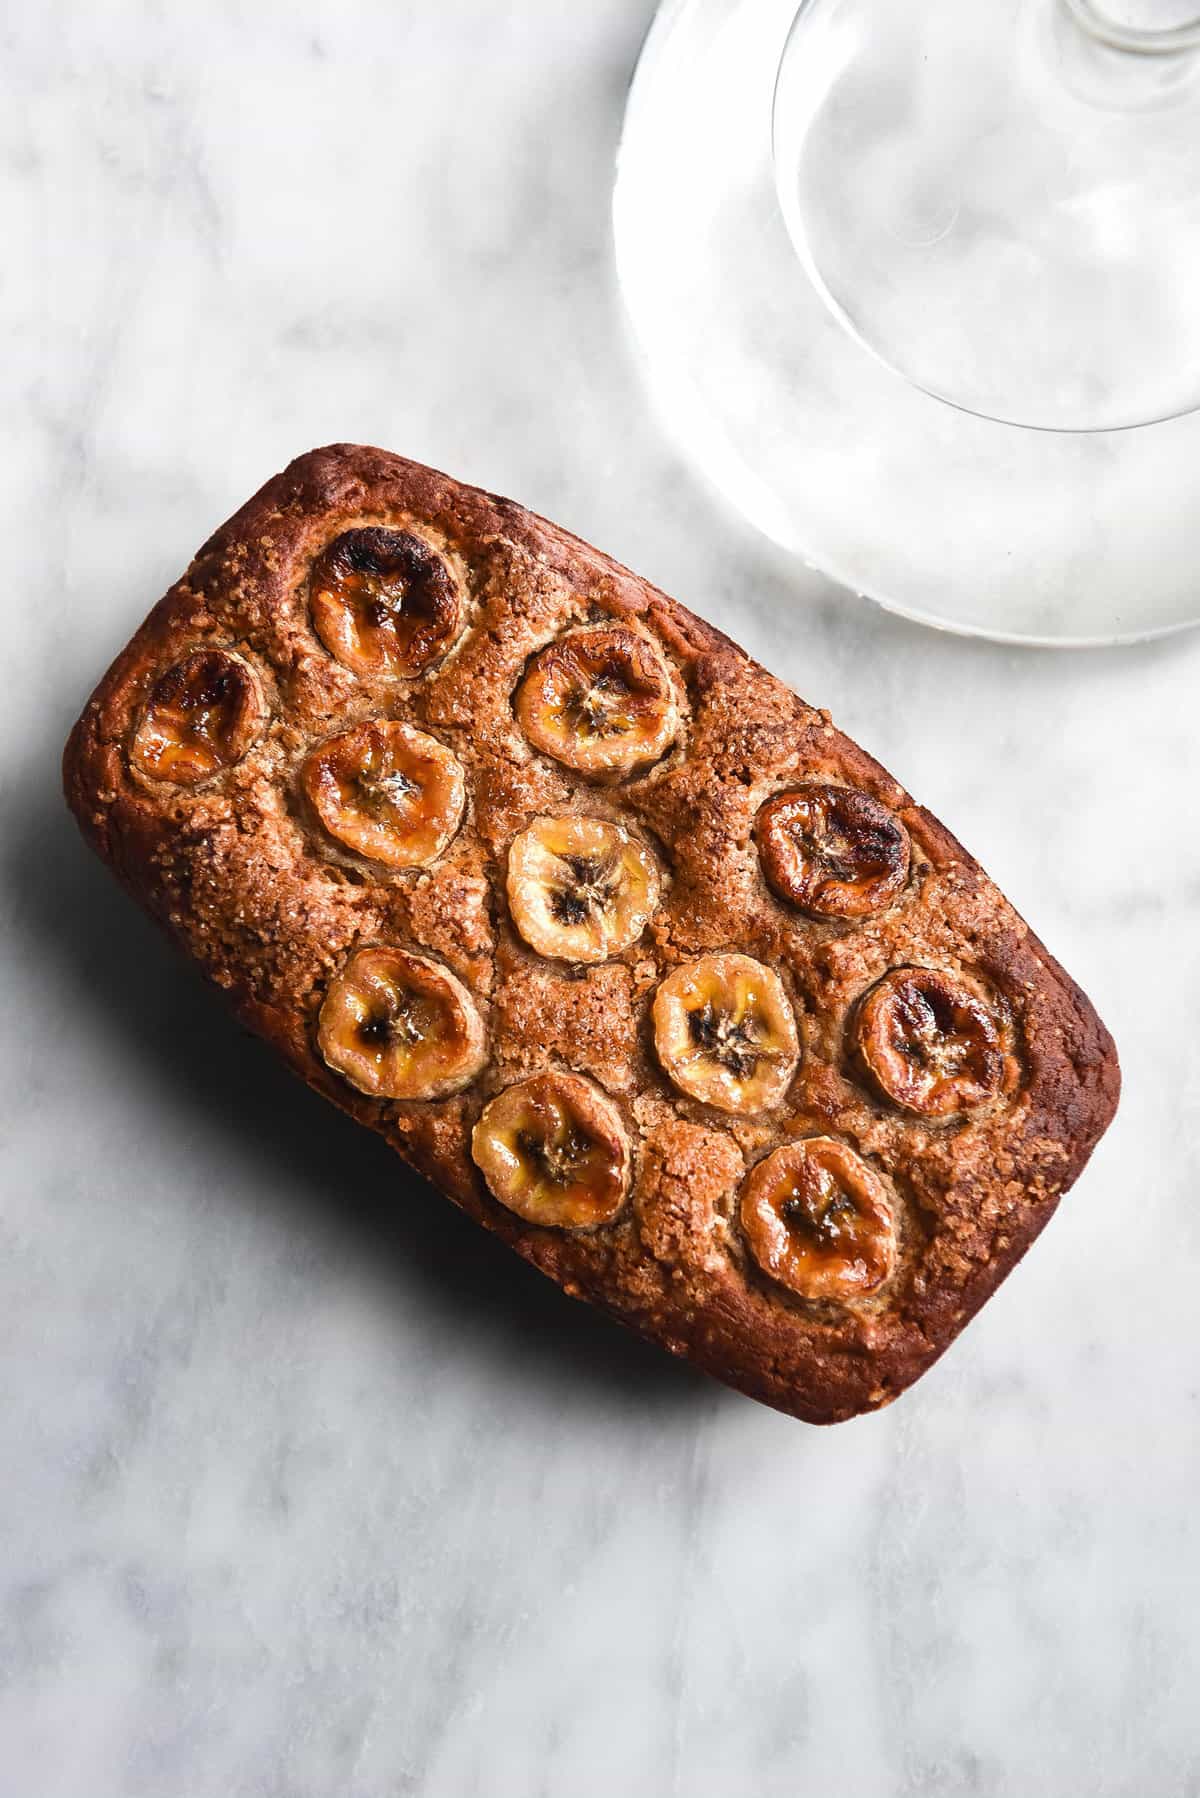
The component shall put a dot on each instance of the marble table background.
(307, 1487)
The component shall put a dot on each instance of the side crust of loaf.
(236, 872)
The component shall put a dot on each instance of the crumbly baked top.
(612, 936)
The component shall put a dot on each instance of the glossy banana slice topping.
(818, 1220)
(833, 851)
(202, 716)
(932, 1043)
(554, 1150)
(599, 700)
(580, 889)
(725, 1033)
(387, 791)
(399, 1026)
(383, 603)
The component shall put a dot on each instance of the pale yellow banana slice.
(725, 1033)
(580, 889)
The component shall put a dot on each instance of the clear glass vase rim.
(1142, 40)
(1166, 40)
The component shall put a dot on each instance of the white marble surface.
(307, 1488)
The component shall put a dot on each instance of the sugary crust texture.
(247, 884)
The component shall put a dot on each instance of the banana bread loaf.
(614, 938)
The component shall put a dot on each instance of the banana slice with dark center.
(387, 791)
(399, 1026)
(833, 851)
(933, 1044)
(553, 1149)
(580, 889)
(818, 1219)
(383, 603)
(600, 700)
(202, 716)
(726, 1034)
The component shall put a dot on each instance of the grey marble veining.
(308, 1487)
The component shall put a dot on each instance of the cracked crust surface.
(272, 909)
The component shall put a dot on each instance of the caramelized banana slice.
(817, 1219)
(725, 1033)
(553, 1149)
(833, 851)
(383, 603)
(398, 1026)
(599, 700)
(202, 716)
(579, 888)
(932, 1043)
(387, 791)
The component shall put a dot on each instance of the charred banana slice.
(202, 716)
(383, 603)
(932, 1043)
(387, 791)
(833, 851)
(725, 1033)
(399, 1026)
(554, 1150)
(818, 1220)
(580, 889)
(599, 700)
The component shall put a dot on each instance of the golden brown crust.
(237, 871)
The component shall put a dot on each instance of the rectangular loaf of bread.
(623, 945)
